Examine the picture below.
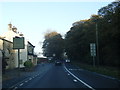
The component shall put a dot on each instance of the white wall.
(0, 69)
(23, 52)
(1, 44)
(23, 55)
(9, 35)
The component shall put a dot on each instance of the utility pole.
(97, 44)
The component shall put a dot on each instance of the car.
(58, 62)
(67, 61)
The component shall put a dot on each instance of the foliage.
(82, 33)
(53, 45)
(28, 64)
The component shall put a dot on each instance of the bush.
(28, 64)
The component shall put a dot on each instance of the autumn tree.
(53, 45)
(83, 32)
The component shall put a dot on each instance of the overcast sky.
(33, 19)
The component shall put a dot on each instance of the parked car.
(58, 62)
(67, 61)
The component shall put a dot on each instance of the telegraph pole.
(97, 44)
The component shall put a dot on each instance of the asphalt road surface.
(65, 76)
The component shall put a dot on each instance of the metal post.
(93, 61)
(19, 59)
(18, 62)
(97, 44)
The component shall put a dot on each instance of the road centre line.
(30, 78)
(21, 84)
(26, 81)
(79, 79)
(15, 88)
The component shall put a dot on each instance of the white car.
(67, 61)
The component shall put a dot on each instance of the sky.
(34, 19)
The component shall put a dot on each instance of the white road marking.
(15, 88)
(68, 74)
(79, 79)
(76, 69)
(21, 84)
(75, 80)
(26, 81)
(30, 78)
(80, 69)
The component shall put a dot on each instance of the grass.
(105, 70)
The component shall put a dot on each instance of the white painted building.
(6, 44)
(31, 55)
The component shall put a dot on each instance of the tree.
(78, 40)
(53, 45)
(110, 34)
(83, 32)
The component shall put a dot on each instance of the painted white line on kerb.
(79, 79)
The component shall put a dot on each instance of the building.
(10, 54)
(31, 56)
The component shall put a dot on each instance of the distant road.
(66, 76)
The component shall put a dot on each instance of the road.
(65, 76)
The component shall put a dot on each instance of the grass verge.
(105, 70)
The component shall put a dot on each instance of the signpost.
(18, 43)
(93, 52)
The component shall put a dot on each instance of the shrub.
(28, 64)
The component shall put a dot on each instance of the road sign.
(93, 52)
(93, 49)
(18, 43)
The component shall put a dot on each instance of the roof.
(31, 44)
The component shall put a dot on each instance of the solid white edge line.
(79, 79)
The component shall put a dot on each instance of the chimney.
(21, 34)
(10, 26)
(14, 29)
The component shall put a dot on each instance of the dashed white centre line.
(15, 88)
(26, 81)
(21, 84)
(30, 78)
